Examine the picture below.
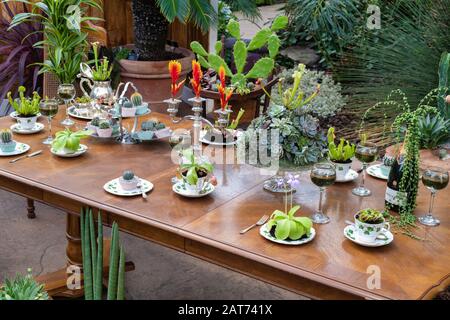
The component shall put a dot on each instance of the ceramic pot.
(142, 109)
(145, 135)
(128, 184)
(197, 187)
(27, 123)
(163, 133)
(8, 147)
(370, 232)
(104, 133)
(342, 169)
(91, 127)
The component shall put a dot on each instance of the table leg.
(30, 208)
(73, 249)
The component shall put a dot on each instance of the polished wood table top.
(408, 267)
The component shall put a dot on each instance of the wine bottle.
(394, 198)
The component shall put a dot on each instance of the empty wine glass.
(322, 175)
(365, 152)
(434, 179)
(49, 109)
(67, 92)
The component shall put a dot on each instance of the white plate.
(351, 175)
(375, 171)
(81, 149)
(17, 129)
(263, 231)
(14, 115)
(20, 148)
(350, 233)
(179, 188)
(238, 134)
(115, 188)
(81, 115)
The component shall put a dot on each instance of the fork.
(259, 223)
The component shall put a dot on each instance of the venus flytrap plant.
(102, 70)
(341, 153)
(25, 107)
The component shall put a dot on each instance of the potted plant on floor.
(341, 155)
(247, 79)
(23, 288)
(26, 109)
(151, 20)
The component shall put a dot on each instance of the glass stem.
(430, 209)
(49, 119)
(320, 200)
(363, 178)
(67, 108)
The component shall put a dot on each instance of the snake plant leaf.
(234, 29)
(240, 55)
(98, 282)
(296, 230)
(216, 62)
(198, 48)
(121, 278)
(279, 23)
(261, 69)
(87, 267)
(218, 47)
(260, 39)
(191, 176)
(113, 263)
(282, 230)
(273, 43)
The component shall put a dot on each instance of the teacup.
(368, 232)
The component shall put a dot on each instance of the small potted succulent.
(194, 172)
(128, 181)
(370, 224)
(7, 144)
(93, 124)
(285, 226)
(27, 109)
(341, 155)
(68, 141)
(128, 110)
(104, 129)
(136, 100)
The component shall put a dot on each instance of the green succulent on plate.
(286, 226)
(69, 140)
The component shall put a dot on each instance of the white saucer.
(17, 129)
(349, 233)
(61, 153)
(350, 176)
(14, 115)
(238, 134)
(115, 188)
(20, 148)
(263, 231)
(179, 188)
(375, 171)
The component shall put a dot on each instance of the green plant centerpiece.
(26, 109)
(341, 155)
(68, 141)
(194, 170)
(23, 287)
(7, 144)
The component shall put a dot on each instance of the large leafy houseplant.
(65, 37)
(19, 54)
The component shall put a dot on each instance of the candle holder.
(197, 119)
(223, 119)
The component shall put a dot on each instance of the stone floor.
(160, 273)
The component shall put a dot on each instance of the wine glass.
(434, 179)
(365, 152)
(67, 92)
(49, 109)
(322, 175)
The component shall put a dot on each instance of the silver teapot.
(99, 90)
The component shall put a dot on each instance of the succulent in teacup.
(128, 105)
(25, 107)
(6, 136)
(370, 216)
(136, 99)
(284, 225)
(104, 124)
(128, 175)
(148, 125)
(95, 122)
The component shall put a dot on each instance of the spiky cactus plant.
(148, 126)
(6, 136)
(370, 216)
(136, 99)
(104, 125)
(92, 253)
(128, 104)
(128, 175)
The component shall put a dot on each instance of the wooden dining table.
(329, 267)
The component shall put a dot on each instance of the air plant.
(175, 71)
(16, 46)
(197, 76)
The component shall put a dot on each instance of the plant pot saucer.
(115, 188)
(265, 233)
(63, 154)
(16, 128)
(180, 188)
(20, 148)
(350, 234)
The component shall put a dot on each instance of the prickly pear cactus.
(128, 175)
(6, 136)
(136, 99)
(370, 216)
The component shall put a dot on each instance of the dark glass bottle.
(394, 198)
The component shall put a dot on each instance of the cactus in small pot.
(136, 99)
(128, 180)
(160, 126)
(104, 129)
(148, 125)
(128, 110)
(7, 144)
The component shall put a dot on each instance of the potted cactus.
(138, 103)
(128, 181)
(26, 109)
(128, 110)
(104, 129)
(247, 80)
(7, 144)
(93, 124)
(341, 155)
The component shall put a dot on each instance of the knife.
(27, 156)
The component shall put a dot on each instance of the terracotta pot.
(152, 77)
